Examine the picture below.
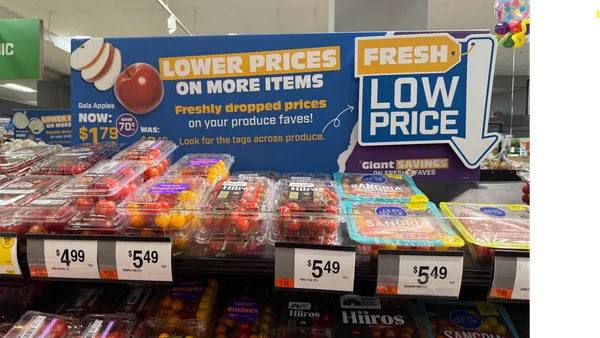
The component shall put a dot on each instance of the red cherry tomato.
(293, 224)
(152, 172)
(526, 189)
(164, 204)
(283, 208)
(84, 204)
(331, 209)
(293, 206)
(37, 229)
(105, 208)
(330, 226)
(165, 163)
(242, 225)
(161, 168)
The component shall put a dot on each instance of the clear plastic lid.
(381, 188)
(150, 152)
(104, 325)
(85, 301)
(3, 179)
(304, 176)
(307, 211)
(50, 213)
(106, 178)
(257, 173)
(401, 225)
(87, 224)
(236, 209)
(76, 159)
(210, 166)
(136, 300)
(35, 324)
(16, 161)
(23, 190)
(498, 226)
(165, 203)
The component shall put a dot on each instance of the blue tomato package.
(466, 319)
(378, 188)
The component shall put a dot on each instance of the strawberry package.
(378, 188)
(42, 325)
(157, 155)
(398, 226)
(213, 167)
(18, 162)
(306, 211)
(458, 319)
(76, 159)
(104, 326)
(237, 217)
(19, 193)
(370, 317)
(486, 227)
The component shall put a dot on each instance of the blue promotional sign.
(287, 103)
(53, 126)
(427, 89)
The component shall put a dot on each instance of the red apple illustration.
(139, 88)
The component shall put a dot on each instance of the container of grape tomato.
(49, 214)
(157, 155)
(35, 324)
(486, 227)
(211, 166)
(76, 159)
(381, 188)
(166, 203)
(104, 326)
(306, 211)
(398, 226)
(16, 162)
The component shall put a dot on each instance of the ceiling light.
(171, 24)
(231, 33)
(81, 37)
(19, 88)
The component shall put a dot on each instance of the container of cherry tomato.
(35, 324)
(210, 166)
(486, 227)
(398, 226)
(186, 309)
(306, 211)
(98, 191)
(157, 155)
(466, 319)
(17, 162)
(236, 220)
(76, 159)
(380, 188)
(20, 192)
(104, 326)
(166, 203)
(245, 314)
(49, 214)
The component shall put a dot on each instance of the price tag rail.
(510, 277)
(99, 254)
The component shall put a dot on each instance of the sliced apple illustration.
(101, 66)
(87, 54)
(107, 81)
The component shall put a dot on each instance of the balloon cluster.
(512, 29)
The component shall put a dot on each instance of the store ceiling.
(112, 18)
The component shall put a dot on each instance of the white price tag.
(324, 269)
(71, 258)
(521, 287)
(421, 275)
(147, 261)
(9, 262)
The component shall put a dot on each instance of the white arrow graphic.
(477, 142)
(336, 121)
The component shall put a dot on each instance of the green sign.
(21, 49)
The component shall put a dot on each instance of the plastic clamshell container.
(16, 162)
(136, 300)
(211, 166)
(85, 301)
(186, 309)
(306, 211)
(35, 324)
(157, 155)
(237, 218)
(490, 226)
(398, 226)
(380, 188)
(257, 173)
(246, 312)
(104, 326)
(50, 213)
(304, 176)
(166, 203)
(304, 316)
(466, 319)
(3, 179)
(76, 159)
